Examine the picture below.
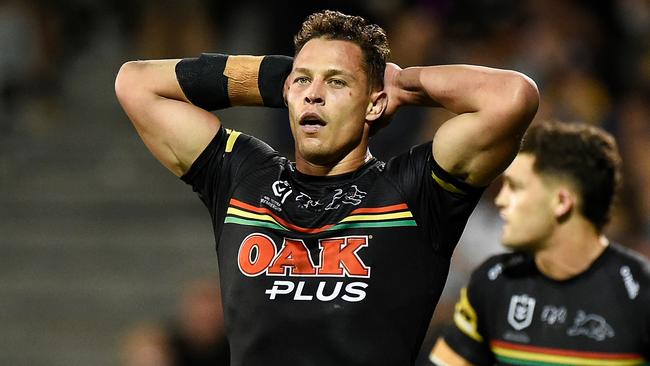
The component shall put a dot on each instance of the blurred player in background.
(565, 295)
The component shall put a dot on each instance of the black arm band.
(203, 82)
(273, 72)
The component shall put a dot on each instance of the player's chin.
(508, 241)
(315, 152)
(521, 244)
(509, 245)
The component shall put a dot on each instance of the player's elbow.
(128, 83)
(124, 82)
(523, 99)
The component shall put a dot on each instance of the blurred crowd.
(591, 61)
(193, 336)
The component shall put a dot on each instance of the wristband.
(216, 81)
(273, 72)
(202, 80)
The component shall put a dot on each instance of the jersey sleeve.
(229, 157)
(440, 202)
(466, 336)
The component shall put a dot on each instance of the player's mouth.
(311, 122)
(503, 217)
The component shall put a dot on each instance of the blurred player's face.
(329, 97)
(525, 203)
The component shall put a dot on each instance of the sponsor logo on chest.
(338, 257)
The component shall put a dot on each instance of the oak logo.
(337, 257)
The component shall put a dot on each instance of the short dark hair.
(334, 25)
(584, 154)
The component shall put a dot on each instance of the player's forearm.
(466, 89)
(217, 81)
(443, 355)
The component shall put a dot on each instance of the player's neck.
(571, 250)
(351, 162)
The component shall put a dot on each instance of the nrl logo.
(281, 189)
(520, 313)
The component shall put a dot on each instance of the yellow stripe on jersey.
(251, 215)
(378, 217)
(465, 317)
(446, 185)
(232, 137)
(525, 357)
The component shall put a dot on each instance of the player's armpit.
(443, 355)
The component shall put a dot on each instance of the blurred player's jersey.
(511, 314)
(340, 270)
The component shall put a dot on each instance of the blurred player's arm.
(463, 342)
(493, 108)
(443, 355)
(169, 101)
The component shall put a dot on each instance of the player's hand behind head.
(392, 91)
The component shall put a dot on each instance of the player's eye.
(338, 83)
(301, 80)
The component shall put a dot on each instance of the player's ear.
(565, 202)
(377, 105)
(285, 89)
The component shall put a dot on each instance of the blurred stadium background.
(97, 239)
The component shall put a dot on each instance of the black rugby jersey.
(340, 270)
(511, 314)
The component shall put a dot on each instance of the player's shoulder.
(418, 153)
(503, 266)
(629, 272)
(625, 260)
(236, 141)
(241, 148)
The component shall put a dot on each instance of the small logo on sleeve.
(631, 285)
(495, 271)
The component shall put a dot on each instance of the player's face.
(328, 97)
(525, 203)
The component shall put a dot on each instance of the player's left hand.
(392, 89)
